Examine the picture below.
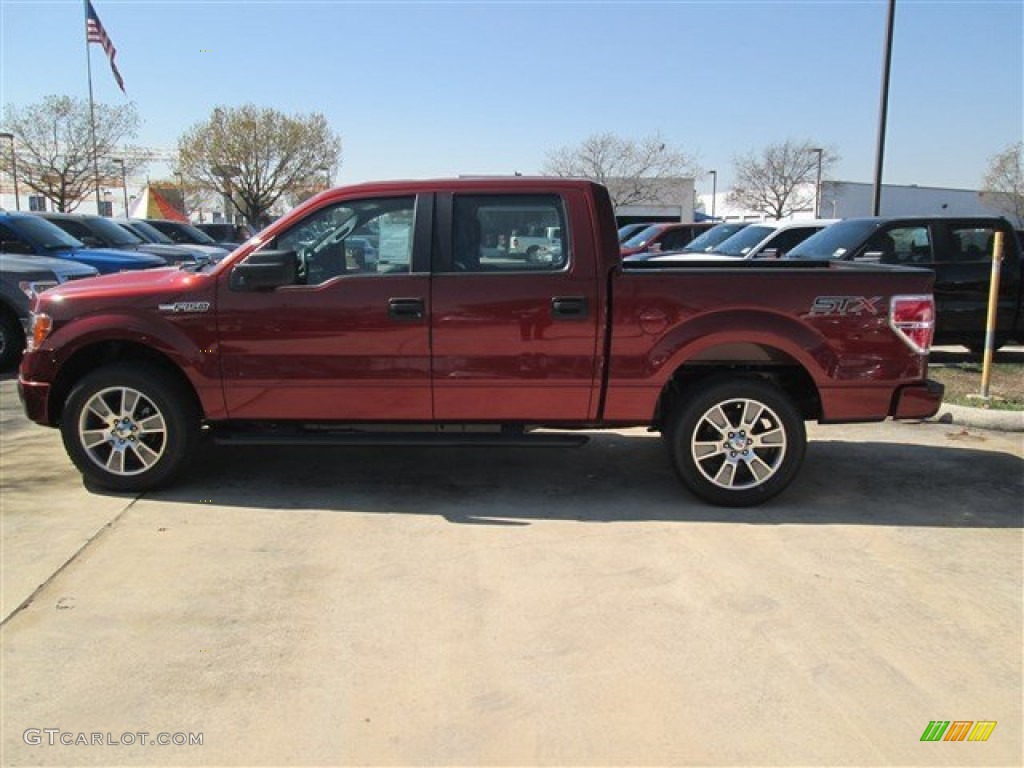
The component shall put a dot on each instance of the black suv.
(957, 249)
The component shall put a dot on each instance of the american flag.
(95, 33)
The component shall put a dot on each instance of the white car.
(760, 240)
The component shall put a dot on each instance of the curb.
(982, 418)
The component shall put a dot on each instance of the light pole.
(883, 110)
(14, 169)
(817, 184)
(714, 190)
(124, 183)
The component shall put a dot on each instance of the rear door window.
(969, 244)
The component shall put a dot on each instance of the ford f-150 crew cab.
(446, 339)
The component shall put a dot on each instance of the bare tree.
(1003, 187)
(254, 155)
(54, 149)
(780, 180)
(633, 171)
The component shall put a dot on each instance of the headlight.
(40, 328)
(33, 288)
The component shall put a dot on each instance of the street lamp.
(883, 111)
(714, 190)
(817, 184)
(124, 183)
(14, 168)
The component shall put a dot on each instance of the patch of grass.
(1006, 388)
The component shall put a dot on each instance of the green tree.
(1003, 187)
(634, 171)
(54, 149)
(781, 178)
(255, 155)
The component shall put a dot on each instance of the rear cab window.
(508, 233)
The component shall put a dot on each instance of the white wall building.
(671, 199)
(851, 199)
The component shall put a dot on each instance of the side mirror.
(265, 270)
(769, 253)
(872, 257)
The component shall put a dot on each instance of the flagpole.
(92, 108)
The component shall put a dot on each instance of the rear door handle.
(406, 309)
(569, 307)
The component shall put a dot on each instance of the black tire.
(12, 341)
(145, 415)
(531, 254)
(721, 418)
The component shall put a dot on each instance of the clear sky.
(420, 89)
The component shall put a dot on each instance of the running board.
(546, 440)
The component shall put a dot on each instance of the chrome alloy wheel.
(738, 444)
(122, 431)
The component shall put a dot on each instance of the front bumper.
(35, 398)
(921, 400)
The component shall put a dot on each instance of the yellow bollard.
(990, 323)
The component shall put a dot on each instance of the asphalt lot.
(515, 606)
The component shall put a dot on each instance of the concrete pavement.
(510, 606)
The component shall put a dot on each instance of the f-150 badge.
(183, 307)
(847, 305)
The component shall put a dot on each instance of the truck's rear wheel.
(128, 428)
(736, 442)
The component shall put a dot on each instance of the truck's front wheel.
(736, 442)
(129, 428)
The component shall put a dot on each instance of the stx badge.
(185, 307)
(847, 305)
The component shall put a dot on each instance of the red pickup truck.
(442, 338)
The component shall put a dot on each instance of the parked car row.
(40, 251)
(756, 240)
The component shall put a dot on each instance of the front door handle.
(569, 307)
(406, 309)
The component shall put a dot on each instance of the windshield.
(112, 233)
(197, 235)
(740, 243)
(45, 234)
(154, 234)
(639, 240)
(628, 230)
(717, 234)
(835, 241)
